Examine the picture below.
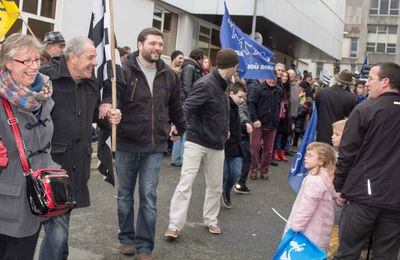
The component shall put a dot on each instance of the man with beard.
(148, 101)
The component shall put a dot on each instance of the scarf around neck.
(28, 98)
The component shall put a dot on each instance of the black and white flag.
(100, 34)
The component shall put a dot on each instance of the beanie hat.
(226, 58)
(176, 54)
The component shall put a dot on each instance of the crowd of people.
(235, 128)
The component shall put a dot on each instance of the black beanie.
(176, 54)
(226, 58)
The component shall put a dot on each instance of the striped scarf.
(28, 98)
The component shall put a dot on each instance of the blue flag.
(255, 59)
(298, 171)
(363, 68)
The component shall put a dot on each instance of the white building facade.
(298, 31)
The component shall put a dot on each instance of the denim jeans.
(232, 172)
(177, 150)
(129, 167)
(55, 240)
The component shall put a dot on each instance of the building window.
(371, 46)
(391, 48)
(207, 39)
(384, 7)
(167, 22)
(320, 67)
(354, 48)
(39, 15)
(382, 38)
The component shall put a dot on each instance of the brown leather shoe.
(143, 256)
(127, 249)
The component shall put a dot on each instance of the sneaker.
(226, 200)
(171, 233)
(127, 249)
(144, 256)
(273, 163)
(214, 229)
(241, 188)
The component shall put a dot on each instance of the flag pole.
(113, 79)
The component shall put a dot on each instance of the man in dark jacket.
(76, 94)
(367, 171)
(333, 104)
(264, 105)
(207, 114)
(191, 71)
(149, 100)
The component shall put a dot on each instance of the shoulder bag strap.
(13, 123)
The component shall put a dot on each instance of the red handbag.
(49, 190)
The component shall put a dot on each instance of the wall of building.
(129, 17)
(321, 21)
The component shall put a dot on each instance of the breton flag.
(255, 59)
(298, 171)
(9, 13)
(99, 33)
(325, 78)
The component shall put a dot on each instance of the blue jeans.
(55, 240)
(177, 150)
(129, 167)
(232, 172)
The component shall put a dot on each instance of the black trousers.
(246, 162)
(357, 223)
(13, 248)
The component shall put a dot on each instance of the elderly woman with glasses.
(29, 95)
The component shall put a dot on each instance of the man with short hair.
(54, 46)
(191, 71)
(150, 99)
(177, 59)
(367, 171)
(76, 94)
(207, 113)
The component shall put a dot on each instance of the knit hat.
(226, 58)
(345, 77)
(176, 54)
(53, 37)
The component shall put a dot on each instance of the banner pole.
(113, 79)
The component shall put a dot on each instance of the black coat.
(232, 145)
(191, 71)
(333, 104)
(72, 116)
(264, 105)
(145, 125)
(369, 154)
(207, 112)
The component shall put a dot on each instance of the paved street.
(251, 230)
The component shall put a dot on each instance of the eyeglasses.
(28, 63)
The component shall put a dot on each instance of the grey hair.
(76, 45)
(16, 43)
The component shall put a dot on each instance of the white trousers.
(213, 171)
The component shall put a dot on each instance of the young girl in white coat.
(312, 211)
